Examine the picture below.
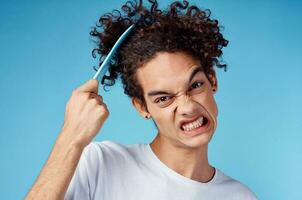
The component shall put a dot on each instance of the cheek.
(212, 105)
(208, 102)
(162, 116)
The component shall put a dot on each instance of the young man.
(166, 66)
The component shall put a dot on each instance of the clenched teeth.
(192, 125)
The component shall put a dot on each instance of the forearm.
(85, 114)
(56, 174)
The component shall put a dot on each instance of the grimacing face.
(177, 92)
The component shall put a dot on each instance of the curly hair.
(180, 28)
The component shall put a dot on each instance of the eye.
(162, 99)
(196, 85)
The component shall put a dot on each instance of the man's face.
(178, 92)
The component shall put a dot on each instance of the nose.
(186, 106)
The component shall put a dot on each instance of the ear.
(213, 79)
(141, 109)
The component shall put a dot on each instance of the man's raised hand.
(85, 113)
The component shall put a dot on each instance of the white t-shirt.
(108, 170)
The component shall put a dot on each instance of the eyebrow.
(157, 92)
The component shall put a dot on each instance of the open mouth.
(197, 124)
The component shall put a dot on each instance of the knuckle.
(102, 110)
(94, 101)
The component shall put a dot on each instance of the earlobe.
(139, 107)
(213, 78)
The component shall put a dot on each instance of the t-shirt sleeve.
(93, 174)
(79, 188)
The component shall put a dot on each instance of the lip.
(198, 130)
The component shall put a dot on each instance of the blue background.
(45, 53)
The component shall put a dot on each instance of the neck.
(189, 162)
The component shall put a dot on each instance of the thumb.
(90, 86)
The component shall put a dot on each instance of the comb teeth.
(104, 66)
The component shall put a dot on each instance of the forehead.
(165, 70)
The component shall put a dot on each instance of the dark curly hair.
(180, 28)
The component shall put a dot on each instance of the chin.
(198, 140)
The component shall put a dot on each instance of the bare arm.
(84, 116)
(56, 174)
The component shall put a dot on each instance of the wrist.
(67, 138)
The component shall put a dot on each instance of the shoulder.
(109, 151)
(238, 189)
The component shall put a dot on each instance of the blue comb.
(105, 65)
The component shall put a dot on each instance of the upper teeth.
(189, 126)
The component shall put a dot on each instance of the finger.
(97, 97)
(90, 86)
(94, 95)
